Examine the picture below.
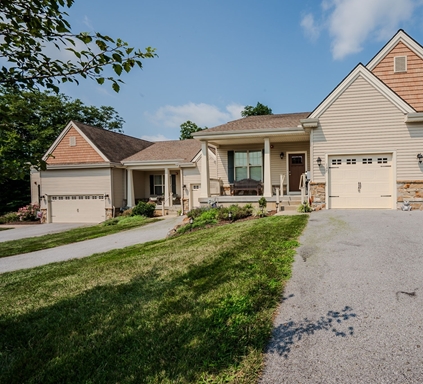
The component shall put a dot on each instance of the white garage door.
(78, 209)
(360, 181)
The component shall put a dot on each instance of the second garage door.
(78, 209)
(360, 181)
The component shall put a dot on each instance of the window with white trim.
(248, 165)
(159, 184)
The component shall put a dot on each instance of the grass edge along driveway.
(32, 244)
(190, 309)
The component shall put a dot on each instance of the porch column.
(130, 190)
(205, 171)
(267, 189)
(166, 201)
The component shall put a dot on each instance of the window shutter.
(231, 166)
(174, 184)
(151, 184)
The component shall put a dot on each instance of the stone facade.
(318, 195)
(411, 191)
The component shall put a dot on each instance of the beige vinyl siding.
(192, 175)
(277, 165)
(76, 182)
(35, 179)
(118, 177)
(362, 120)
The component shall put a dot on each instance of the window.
(248, 165)
(351, 161)
(159, 184)
(73, 197)
(336, 161)
(382, 160)
(367, 161)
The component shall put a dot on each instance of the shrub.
(9, 217)
(304, 207)
(144, 209)
(28, 213)
(196, 212)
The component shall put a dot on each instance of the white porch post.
(205, 171)
(130, 190)
(166, 194)
(267, 190)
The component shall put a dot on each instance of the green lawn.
(31, 244)
(191, 309)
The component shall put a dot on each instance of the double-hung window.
(248, 165)
(159, 184)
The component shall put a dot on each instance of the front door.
(296, 163)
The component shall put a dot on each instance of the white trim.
(402, 37)
(414, 117)
(248, 133)
(287, 168)
(360, 70)
(394, 171)
(81, 166)
(198, 156)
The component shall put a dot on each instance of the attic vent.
(400, 64)
(72, 141)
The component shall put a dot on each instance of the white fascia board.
(187, 165)
(199, 154)
(79, 166)
(360, 70)
(414, 117)
(159, 163)
(259, 133)
(402, 37)
(309, 123)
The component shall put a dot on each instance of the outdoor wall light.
(282, 155)
(319, 161)
(230, 215)
(191, 220)
(106, 196)
(420, 157)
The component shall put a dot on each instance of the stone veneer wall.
(318, 195)
(411, 191)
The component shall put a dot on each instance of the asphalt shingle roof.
(115, 146)
(265, 122)
(183, 150)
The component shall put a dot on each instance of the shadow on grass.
(285, 335)
(148, 330)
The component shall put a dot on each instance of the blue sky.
(217, 56)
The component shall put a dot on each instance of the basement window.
(400, 64)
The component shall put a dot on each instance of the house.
(93, 173)
(361, 147)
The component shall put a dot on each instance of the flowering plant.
(28, 213)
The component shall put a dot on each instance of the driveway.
(353, 309)
(150, 232)
(22, 231)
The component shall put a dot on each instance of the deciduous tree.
(259, 109)
(188, 128)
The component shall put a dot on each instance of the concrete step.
(289, 207)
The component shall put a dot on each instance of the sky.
(217, 56)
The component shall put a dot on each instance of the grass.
(31, 244)
(190, 309)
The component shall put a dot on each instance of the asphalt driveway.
(21, 231)
(150, 232)
(353, 309)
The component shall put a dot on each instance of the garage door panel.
(360, 181)
(78, 209)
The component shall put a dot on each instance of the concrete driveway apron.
(150, 232)
(353, 309)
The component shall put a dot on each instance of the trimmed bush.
(9, 218)
(144, 209)
(28, 212)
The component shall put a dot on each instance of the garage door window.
(367, 161)
(351, 161)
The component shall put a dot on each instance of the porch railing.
(303, 187)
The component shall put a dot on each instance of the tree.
(32, 121)
(28, 27)
(259, 109)
(188, 128)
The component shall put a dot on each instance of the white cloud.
(351, 22)
(201, 114)
(310, 27)
(158, 137)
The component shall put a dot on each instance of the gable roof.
(402, 37)
(256, 123)
(180, 150)
(113, 145)
(361, 70)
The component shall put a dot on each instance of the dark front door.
(296, 169)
